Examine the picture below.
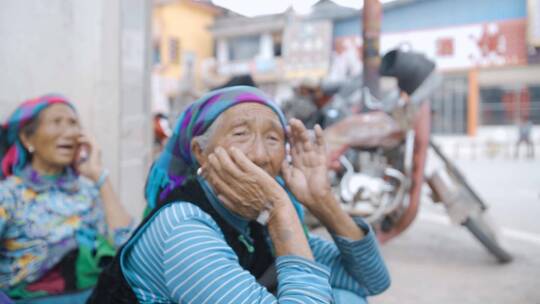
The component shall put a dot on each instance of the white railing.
(490, 142)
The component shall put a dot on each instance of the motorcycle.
(378, 148)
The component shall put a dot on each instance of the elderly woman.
(59, 215)
(223, 173)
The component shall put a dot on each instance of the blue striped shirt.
(181, 256)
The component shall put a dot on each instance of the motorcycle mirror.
(410, 69)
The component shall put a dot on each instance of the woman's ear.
(198, 152)
(25, 141)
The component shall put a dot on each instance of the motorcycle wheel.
(486, 235)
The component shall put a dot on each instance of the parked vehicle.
(378, 149)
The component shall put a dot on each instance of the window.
(244, 47)
(174, 50)
(156, 52)
(277, 38)
(277, 49)
(507, 105)
(449, 106)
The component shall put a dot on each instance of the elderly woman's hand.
(307, 177)
(308, 180)
(89, 163)
(241, 185)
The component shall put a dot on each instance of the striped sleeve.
(356, 266)
(195, 265)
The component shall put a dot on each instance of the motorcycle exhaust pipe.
(451, 195)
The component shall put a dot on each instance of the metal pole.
(371, 32)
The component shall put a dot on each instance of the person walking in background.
(524, 137)
(60, 219)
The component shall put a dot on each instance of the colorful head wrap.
(13, 155)
(176, 161)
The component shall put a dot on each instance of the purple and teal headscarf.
(176, 163)
(13, 155)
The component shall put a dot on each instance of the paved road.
(436, 262)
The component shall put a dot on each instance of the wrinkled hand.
(88, 163)
(307, 177)
(242, 186)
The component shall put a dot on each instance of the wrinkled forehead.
(33, 110)
(60, 108)
(249, 113)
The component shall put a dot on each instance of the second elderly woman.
(60, 219)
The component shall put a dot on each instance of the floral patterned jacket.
(40, 218)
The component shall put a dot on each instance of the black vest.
(112, 286)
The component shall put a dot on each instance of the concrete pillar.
(222, 51)
(472, 102)
(371, 34)
(96, 53)
(266, 49)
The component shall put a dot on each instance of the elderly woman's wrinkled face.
(255, 129)
(55, 139)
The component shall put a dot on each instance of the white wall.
(97, 54)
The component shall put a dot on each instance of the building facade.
(250, 46)
(181, 42)
(483, 48)
(487, 50)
